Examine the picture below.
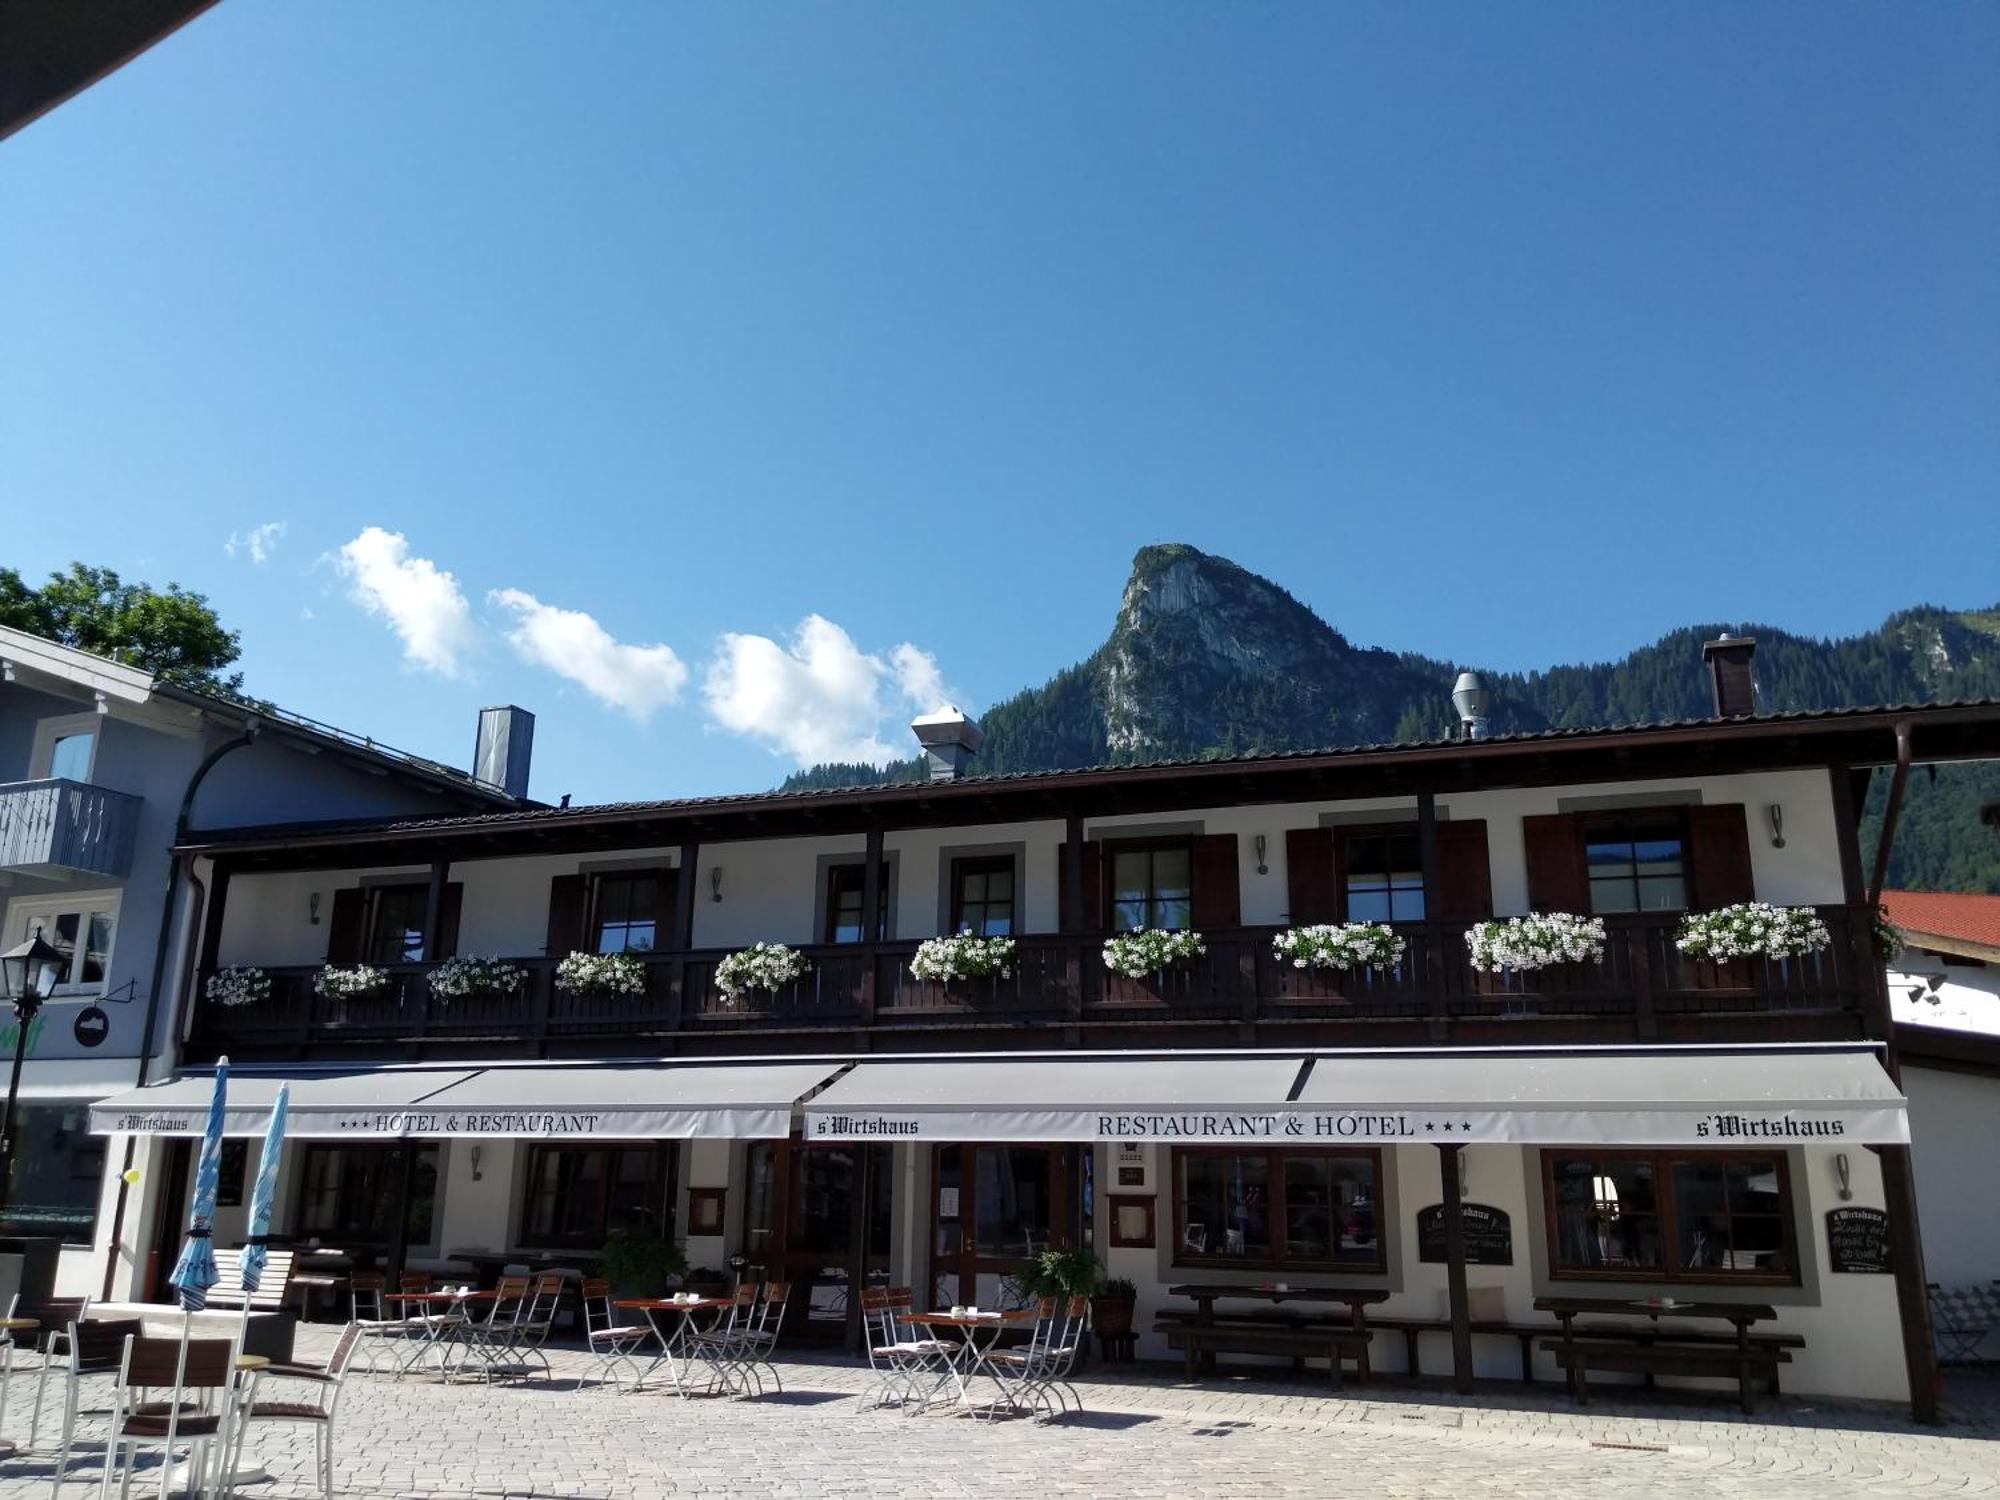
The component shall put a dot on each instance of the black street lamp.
(29, 973)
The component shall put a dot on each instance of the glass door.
(819, 1217)
(993, 1210)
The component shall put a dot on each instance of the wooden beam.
(1070, 919)
(1451, 1170)
(433, 908)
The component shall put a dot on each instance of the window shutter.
(1719, 856)
(1557, 878)
(1218, 900)
(1309, 875)
(343, 927)
(450, 905)
(666, 887)
(1465, 875)
(568, 895)
(1096, 911)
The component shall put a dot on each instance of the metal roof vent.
(950, 740)
(1472, 700)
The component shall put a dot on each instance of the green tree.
(170, 632)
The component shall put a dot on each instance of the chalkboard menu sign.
(1857, 1239)
(1489, 1234)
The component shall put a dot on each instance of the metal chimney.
(1728, 657)
(1470, 697)
(505, 745)
(950, 740)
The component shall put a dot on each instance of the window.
(65, 747)
(982, 896)
(396, 924)
(579, 1194)
(627, 912)
(843, 904)
(347, 1194)
(1278, 1209)
(1656, 1216)
(993, 1210)
(1385, 878)
(1152, 886)
(81, 926)
(54, 1174)
(1636, 868)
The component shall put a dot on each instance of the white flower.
(1342, 945)
(1540, 940)
(944, 959)
(1752, 929)
(601, 974)
(458, 978)
(238, 987)
(762, 966)
(350, 984)
(1150, 950)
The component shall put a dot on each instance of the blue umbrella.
(261, 1197)
(194, 1272)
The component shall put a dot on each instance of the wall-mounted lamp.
(1260, 843)
(1840, 1170)
(312, 908)
(477, 1175)
(1777, 826)
(715, 882)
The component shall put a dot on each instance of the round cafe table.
(966, 1361)
(678, 1346)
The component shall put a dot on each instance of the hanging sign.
(1489, 1234)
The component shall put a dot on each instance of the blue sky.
(847, 353)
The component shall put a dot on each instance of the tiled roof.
(1968, 917)
(544, 815)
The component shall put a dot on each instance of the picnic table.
(1650, 1349)
(1206, 1334)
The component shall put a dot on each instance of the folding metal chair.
(614, 1343)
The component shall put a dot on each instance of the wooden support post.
(1427, 855)
(1071, 920)
(681, 938)
(434, 909)
(1450, 1168)
(871, 919)
(399, 1230)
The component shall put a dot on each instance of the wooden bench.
(1701, 1356)
(272, 1288)
(1252, 1334)
(1411, 1328)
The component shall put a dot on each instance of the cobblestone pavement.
(1143, 1435)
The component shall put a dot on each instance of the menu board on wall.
(1857, 1240)
(1489, 1234)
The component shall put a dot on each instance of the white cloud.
(636, 680)
(421, 601)
(257, 544)
(821, 697)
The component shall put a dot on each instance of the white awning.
(1599, 1096)
(736, 1101)
(1056, 1098)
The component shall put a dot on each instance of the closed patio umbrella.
(194, 1272)
(256, 1251)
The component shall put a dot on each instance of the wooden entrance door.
(818, 1216)
(994, 1208)
(170, 1221)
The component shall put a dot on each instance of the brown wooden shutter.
(1096, 909)
(1719, 856)
(1558, 880)
(1465, 875)
(1218, 899)
(343, 926)
(1309, 882)
(451, 903)
(666, 888)
(568, 896)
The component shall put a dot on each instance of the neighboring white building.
(103, 767)
(1948, 971)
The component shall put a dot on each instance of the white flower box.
(245, 986)
(1541, 940)
(761, 966)
(1340, 945)
(940, 960)
(1150, 950)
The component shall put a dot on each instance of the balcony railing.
(60, 827)
(1643, 988)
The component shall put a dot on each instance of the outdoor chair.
(47, 1342)
(96, 1349)
(1038, 1373)
(204, 1369)
(491, 1340)
(898, 1354)
(614, 1343)
(537, 1320)
(324, 1382)
(403, 1337)
(760, 1335)
(1961, 1319)
(723, 1346)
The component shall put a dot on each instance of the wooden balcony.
(863, 997)
(58, 827)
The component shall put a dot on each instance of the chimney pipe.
(505, 745)
(1728, 658)
(950, 740)
(1469, 695)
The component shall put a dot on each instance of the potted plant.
(488, 978)
(1150, 952)
(639, 1263)
(1112, 1308)
(1525, 945)
(245, 986)
(1722, 941)
(761, 966)
(943, 960)
(362, 982)
(601, 974)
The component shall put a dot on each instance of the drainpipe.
(175, 864)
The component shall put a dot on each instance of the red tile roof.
(1949, 914)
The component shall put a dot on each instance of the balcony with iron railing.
(1059, 993)
(59, 827)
